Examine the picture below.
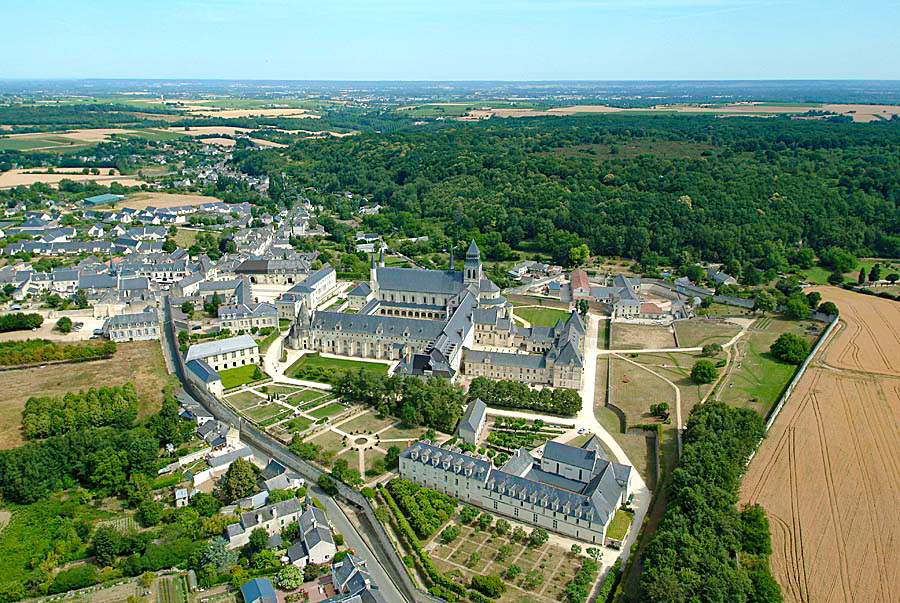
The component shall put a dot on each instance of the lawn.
(698, 332)
(368, 422)
(139, 362)
(329, 410)
(758, 378)
(298, 424)
(264, 412)
(619, 525)
(240, 375)
(185, 237)
(307, 395)
(314, 367)
(407, 433)
(541, 317)
(244, 400)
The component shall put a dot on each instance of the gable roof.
(259, 590)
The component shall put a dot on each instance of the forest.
(662, 189)
(705, 549)
(513, 394)
(55, 415)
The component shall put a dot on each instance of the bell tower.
(472, 266)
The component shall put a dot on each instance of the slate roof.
(282, 509)
(361, 290)
(383, 325)
(569, 455)
(229, 457)
(259, 590)
(442, 282)
(203, 371)
(139, 319)
(221, 346)
(473, 416)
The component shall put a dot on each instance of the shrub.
(64, 325)
(790, 348)
(704, 371)
(19, 321)
(491, 586)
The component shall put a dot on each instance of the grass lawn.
(698, 332)
(139, 362)
(369, 421)
(314, 367)
(329, 410)
(407, 433)
(185, 238)
(244, 400)
(758, 379)
(282, 389)
(267, 411)
(239, 376)
(307, 395)
(298, 424)
(619, 525)
(541, 317)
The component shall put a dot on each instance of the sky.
(452, 39)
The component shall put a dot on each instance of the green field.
(758, 378)
(541, 317)
(329, 410)
(261, 413)
(619, 525)
(313, 367)
(306, 395)
(238, 376)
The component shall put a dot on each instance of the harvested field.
(641, 337)
(837, 434)
(238, 113)
(142, 200)
(871, 341)
(29, 176)
(222, 142)
(139, 362)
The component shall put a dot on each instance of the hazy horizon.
(487, 40)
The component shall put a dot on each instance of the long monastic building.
(445, 323)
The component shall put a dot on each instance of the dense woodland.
(55, 415)
(705, 549)
(662, 189)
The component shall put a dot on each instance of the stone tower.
(472, 265)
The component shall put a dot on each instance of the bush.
(19, 321)
(449, 534)
(790, 348)
(64, 325)
(424, 508)
(711, 349)
(491, 586)
(704, 371)
(75, 578)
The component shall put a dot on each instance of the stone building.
(571, 491)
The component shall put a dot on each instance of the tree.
(764, 302)
(474, 557)
(490, 586)
(893, 277)
(169, 245)
(538, 537)
(238, 481)
(576, 550)
(503, 552)
(484, 521)
(449, 534)
(187, 307)
(836, 278)
(711, 349)
(512, 572)
(218, 555)
(107, 543)
(583, 306)
(468, 514)
(695, 273)
(838, 259)
(265, 560)
(257, 542)
(862, 276)
(755, 538)
(814, 299)
(392, 458)
(828, 308)
(326, 483)
(790, 348)
(501, 527)
(594, 553)
(704, 371)
(64, 324)
(578, 255)
(146, 579)
(290, 577)
(875, 273)
(797, 307)
(257, 373)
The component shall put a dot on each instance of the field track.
(829, 472)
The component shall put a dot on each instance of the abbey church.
(446, 323)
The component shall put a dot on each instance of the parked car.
(98, 331)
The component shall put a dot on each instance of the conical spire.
(473, 253)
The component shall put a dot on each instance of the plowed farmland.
(829, 472)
